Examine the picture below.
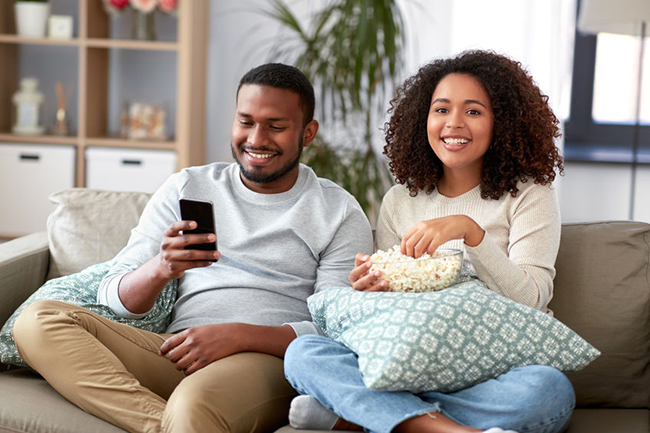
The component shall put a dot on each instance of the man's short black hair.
(284, 76)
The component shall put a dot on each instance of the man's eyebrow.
(270, 119)
(467, 101)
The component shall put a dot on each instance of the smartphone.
(203, 213)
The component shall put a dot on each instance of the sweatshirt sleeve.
(525, 274)
(143, 244)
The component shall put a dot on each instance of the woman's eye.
(442, 110)
(474, 112)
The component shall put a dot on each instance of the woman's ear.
(310, 132)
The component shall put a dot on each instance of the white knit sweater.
(517, 255)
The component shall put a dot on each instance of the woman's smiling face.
(460, 124)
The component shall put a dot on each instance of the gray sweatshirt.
(276, 249)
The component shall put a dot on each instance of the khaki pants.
(114, 372)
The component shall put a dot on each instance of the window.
(601, 126)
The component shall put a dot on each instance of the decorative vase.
(144, 26)
(28, 102)
(31, 18)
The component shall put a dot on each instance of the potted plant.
(31, 17)
(352, 51)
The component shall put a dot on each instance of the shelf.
(38, 139)
(131, 45)
(131, 144)
(93, 43)
(102, 68)
(14, 39)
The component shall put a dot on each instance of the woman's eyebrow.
(467, 101)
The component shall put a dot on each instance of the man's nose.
(257, 136)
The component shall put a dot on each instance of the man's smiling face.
(268, 136)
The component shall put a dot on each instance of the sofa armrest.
(23, 266)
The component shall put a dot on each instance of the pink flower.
(119, 4)
(144, 6)
(115, 6)
(168, 5)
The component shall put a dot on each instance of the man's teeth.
(455, 141)
(260, 155)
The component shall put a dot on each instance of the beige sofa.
(602, 291)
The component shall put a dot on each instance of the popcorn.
(423, 274)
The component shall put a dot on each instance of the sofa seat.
(29, 404)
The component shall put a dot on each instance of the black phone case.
(202, 212)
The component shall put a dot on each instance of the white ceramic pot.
(31, 18)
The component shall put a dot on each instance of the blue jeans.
(536, 399)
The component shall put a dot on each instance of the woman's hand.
(427, 236)
(362, 279)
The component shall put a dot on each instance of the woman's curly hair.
(523, 139)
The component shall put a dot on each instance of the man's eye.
(245, 123)
(277, 128)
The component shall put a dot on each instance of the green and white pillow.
(81, 289)
(444, 341)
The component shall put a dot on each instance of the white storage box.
(28, 175)
(128, 169)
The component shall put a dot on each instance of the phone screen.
(202, 212)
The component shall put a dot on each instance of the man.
(282, 234)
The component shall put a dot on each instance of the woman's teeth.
(455, 141)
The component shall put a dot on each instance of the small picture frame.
(146, 122)
(60, 27)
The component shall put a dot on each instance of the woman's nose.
(455, 120)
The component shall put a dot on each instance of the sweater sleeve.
(143, 244)
(525, 274)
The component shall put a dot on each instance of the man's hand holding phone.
(192, 242)
(176, 258)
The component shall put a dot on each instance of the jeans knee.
(301, 348)
(552, 381)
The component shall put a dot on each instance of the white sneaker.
(498, 430)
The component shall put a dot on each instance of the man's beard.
(259, 177)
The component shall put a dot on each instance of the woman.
(471, 145)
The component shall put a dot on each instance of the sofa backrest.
(602, 292)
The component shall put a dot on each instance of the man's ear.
(310, 132)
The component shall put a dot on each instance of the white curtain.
(538, 33)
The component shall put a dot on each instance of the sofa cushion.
(90, 226)
(602, 291)
(444, 341)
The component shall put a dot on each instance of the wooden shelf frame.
(94, 44)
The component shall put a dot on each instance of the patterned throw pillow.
(81, 289)
(444, 341)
